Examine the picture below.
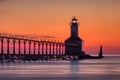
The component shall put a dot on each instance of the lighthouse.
(74, 28)
(73, 45)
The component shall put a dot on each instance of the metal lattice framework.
(46, 49)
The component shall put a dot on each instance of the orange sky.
(99, 20)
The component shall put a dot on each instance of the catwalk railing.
(29, 47)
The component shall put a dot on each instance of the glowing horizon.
(99, 20)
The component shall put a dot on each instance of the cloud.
(37, 36)
(47, 36)
(41, 36)
(2, 11)
(3, 0)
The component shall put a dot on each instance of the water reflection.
(74, 67)
(62, 70)
(74, 70)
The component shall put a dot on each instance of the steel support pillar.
(8, 52)
(42, 48)
(38, 48)
(29, 47)
(34, 47)
(46, 48)
(19, 50)
(2, 51)
(14, 41)
(53, 49)
(50, 48)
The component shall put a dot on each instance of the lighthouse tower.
(73, 45)
(74, 28)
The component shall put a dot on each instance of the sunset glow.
(99, 20)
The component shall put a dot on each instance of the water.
(107, 68)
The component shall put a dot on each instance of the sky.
(99, 20)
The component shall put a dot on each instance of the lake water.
(107, 68)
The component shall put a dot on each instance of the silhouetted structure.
(100, 52)
(33, 48)
(73, 45)
(28, 47)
